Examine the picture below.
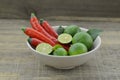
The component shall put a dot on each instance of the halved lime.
(44, 48)
(60, 52)
(64, 38)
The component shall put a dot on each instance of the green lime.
(64, 38)
(77, 48)
(60, 52)
(44, 48)
(72, 30)
(83, 37)
(57, 46)
(60, 30)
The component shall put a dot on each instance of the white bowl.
(67, 62)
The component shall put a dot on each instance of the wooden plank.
(17, 62)
(45, 8)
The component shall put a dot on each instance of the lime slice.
(60, 52)
(64, 38)
(44, 48)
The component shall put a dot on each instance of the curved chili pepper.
(35, 34)
(35, 24)
(48, 28)
(34, 41)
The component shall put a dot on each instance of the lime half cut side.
(44, 48)
(64, 38)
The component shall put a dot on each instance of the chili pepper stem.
(29, 40)
(41, 20)
(23, 29)
(32, 15)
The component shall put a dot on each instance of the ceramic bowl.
(67, 62)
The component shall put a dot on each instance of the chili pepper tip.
(41, 20)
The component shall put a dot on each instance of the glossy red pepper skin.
(33, 18)
(36, 25)
(34, 41)
(49, 28)
(35, 34)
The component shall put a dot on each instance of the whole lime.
(71, 29)
(77, 48)
(83, 37)
(57, 46)
(60, 52)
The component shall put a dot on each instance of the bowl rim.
(54, 56)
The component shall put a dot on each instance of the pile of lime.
(79, 41)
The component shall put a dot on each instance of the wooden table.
(18, 63)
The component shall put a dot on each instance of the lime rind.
(65, 38)
(60, 52)
(44, 48)
(72, 29)
(57, 46)
(77, 48)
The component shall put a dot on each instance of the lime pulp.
(64, 38)
(44, 48)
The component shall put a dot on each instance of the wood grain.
(18, 63)
(48, 8)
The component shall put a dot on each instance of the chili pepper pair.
(41, 32)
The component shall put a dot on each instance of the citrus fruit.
(57, 46)
(60, 30)
(77, 48)
(64, 38)
(72, 30)
(60, 52)
(83, 37)
(44, 48)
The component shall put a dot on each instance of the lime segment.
(64, 38)
(44, 48)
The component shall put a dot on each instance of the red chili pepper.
(34, 41)
(65, 46)
(33, 18)
(35, 24)
(48, 28)
(35, 34)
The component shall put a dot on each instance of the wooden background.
(21, 9)
(17, 62)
